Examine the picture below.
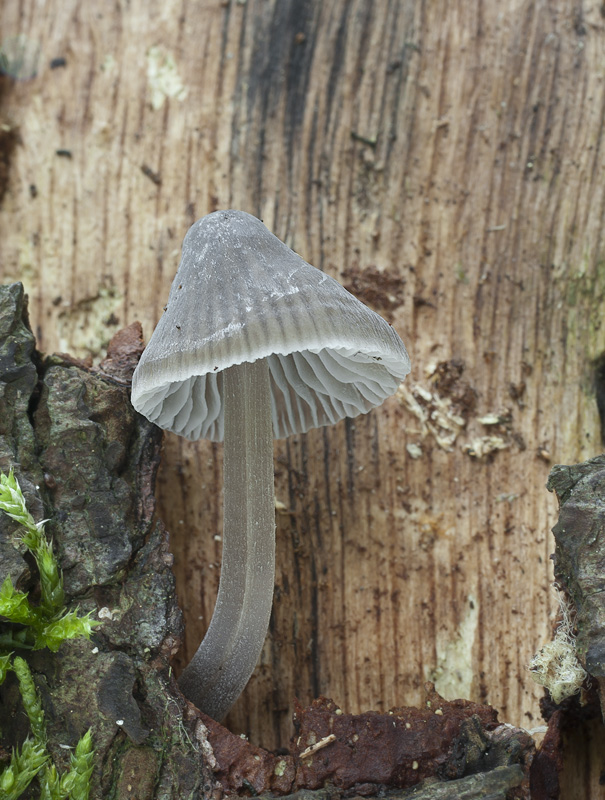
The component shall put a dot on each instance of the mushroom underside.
(307, 390)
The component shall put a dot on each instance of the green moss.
(47, 624)
(583, 295)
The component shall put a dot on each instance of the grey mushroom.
(255, 344)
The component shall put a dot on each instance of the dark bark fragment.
(18, 380)
(548, 762)
(499, 784)
(580, 554)
(369, 753)
(579, 566)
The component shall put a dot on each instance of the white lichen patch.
(556, 665)
(163, 78)
(109, 65)
(25, 267)
(29, 267)
(414, 450)
(453, 676)
(436, 416)
(85, 328)
(280, 768)
(203, 744)
(20, 57)
(482, 446)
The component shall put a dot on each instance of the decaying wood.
(87, 463)
(430, 748)
(445, 160)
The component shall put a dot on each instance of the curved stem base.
(219, 671)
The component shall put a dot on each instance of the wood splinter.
(318, 746)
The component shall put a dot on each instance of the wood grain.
(445, 160)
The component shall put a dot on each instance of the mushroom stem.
(226, 658)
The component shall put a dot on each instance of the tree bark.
(445, 161)
(87, 462)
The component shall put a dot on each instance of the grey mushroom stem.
(219, 671)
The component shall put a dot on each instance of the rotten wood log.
(87, 463)
(445, 160)
(431, 748)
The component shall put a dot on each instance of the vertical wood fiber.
(444, 160)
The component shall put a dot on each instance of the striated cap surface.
(240, 294)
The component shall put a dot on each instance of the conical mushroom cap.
(240, 294)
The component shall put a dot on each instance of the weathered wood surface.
(445, 161)
(87, 465)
